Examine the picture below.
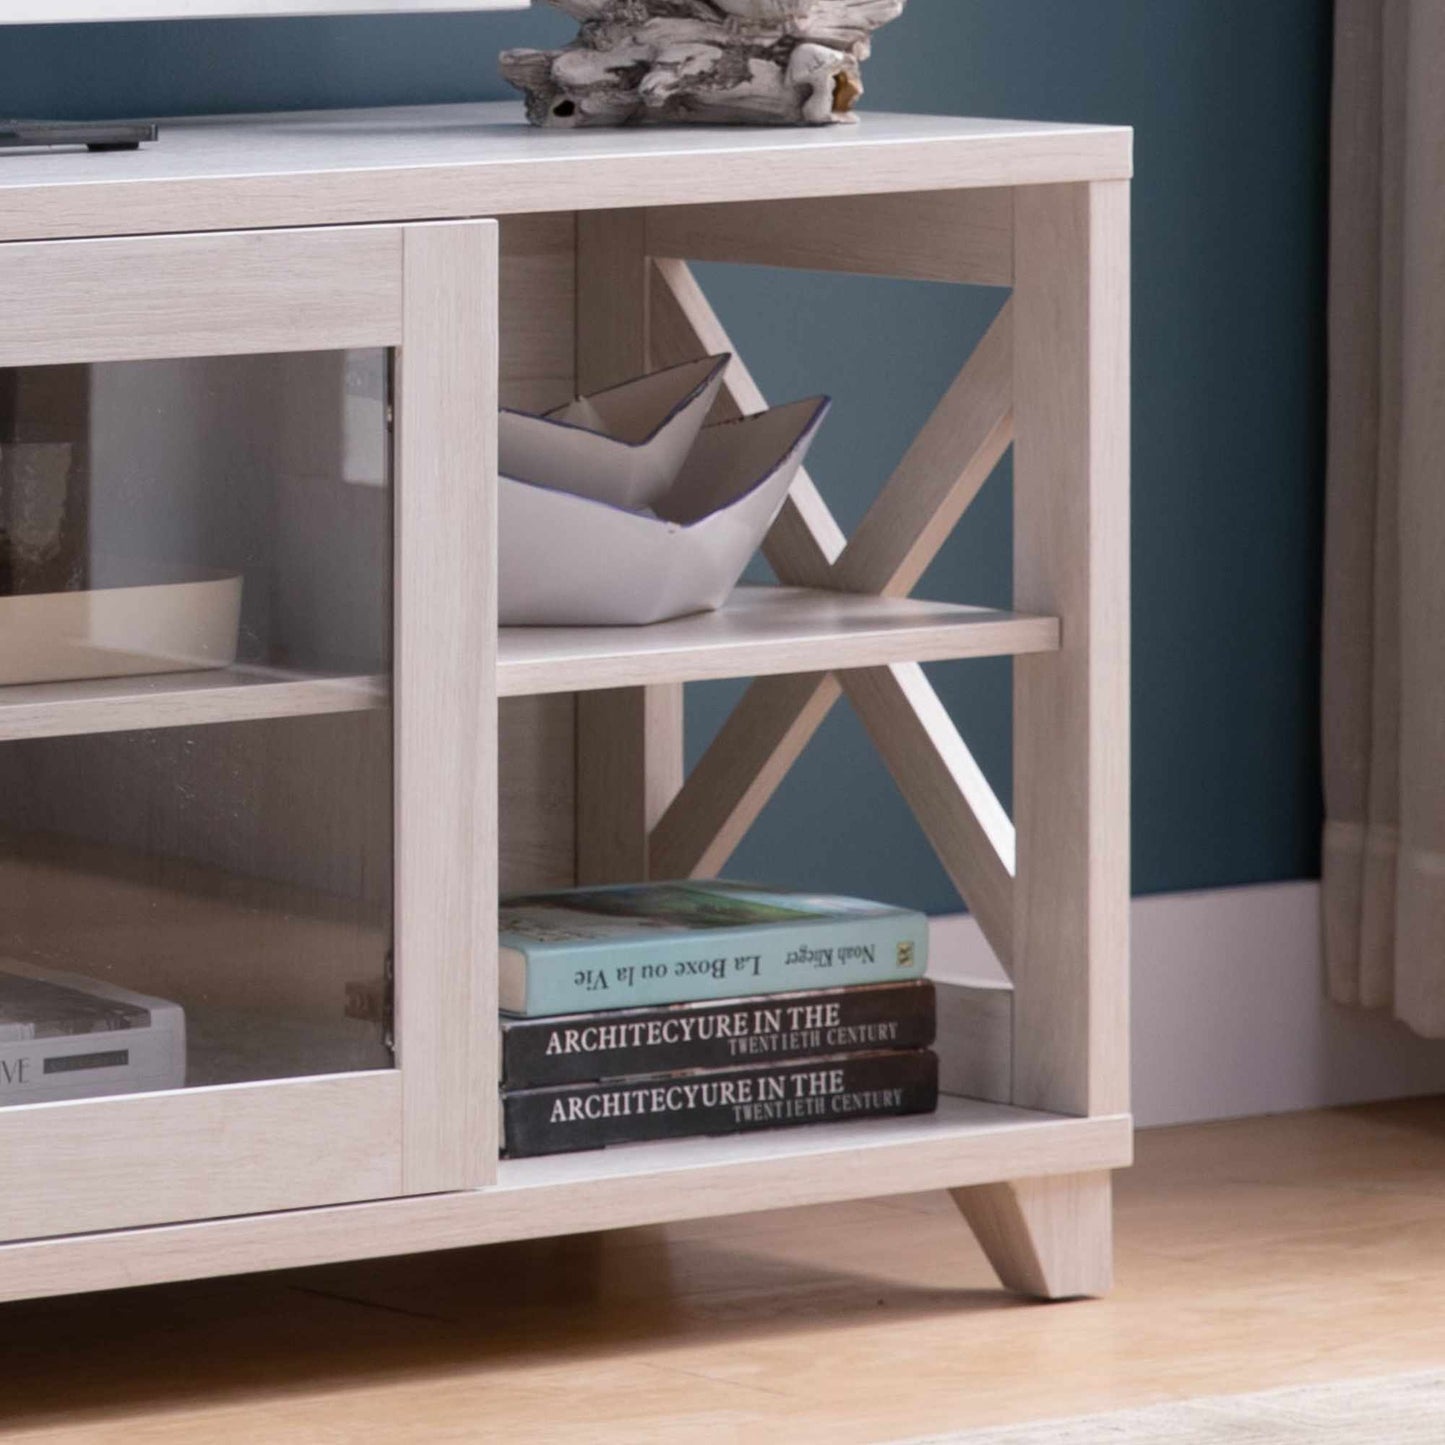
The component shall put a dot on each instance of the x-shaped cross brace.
(900, 536)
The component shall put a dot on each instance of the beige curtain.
(1384, 633)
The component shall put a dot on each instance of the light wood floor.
(1252, 1255)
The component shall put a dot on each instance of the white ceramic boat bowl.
(624, 446)
(569, 561)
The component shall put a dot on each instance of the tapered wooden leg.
(1049, 1238)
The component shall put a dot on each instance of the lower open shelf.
(966, 1142)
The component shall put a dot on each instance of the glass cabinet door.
(247, 706)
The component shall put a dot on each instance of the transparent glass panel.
(187, 905)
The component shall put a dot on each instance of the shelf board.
(762, 631)
(966, 1142)
(180, 699)
(327, 168)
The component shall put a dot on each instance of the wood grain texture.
(629, 768)
(955, 236)
(538, 808)
(946, 790)
(1050, 1238)
(629, 742)
(975, 1022)
(966, 1142)
(538, 813)
(744, 765)
(1071, 716)
(209, 295)
(446, 705)
(939, 476)
(176, 700)
(612, 299)
(762, 631)
(438, 162)
(538, 306)
(198, 1153)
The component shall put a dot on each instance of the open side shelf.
(967, 1141)
(764, 631)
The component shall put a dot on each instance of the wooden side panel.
(961, 236)
(629, 741)
(629, 768)
(538, 813)
(538, 304)
(539, 371)
(1071, 712)
(446, 706)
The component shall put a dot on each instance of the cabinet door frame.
(428, 292)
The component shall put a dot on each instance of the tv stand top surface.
(443, 162)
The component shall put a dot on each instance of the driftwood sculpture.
(759, 62)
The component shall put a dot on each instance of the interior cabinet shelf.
(761, 632)
(764, 631)
(181, 699)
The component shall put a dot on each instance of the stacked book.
(660, 1011)
(67, 1037)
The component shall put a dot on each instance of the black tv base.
(93, 135)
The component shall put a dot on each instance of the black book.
(719, 1101)
(720, 1034)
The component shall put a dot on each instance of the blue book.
(590, 949)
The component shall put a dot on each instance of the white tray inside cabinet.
(167, 618)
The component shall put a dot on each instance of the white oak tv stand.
(285, 338)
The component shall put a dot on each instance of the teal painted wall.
(1230, 102)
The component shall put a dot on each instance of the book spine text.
(580, 1048)
(727, 1101)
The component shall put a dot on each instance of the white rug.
(1399, 1410)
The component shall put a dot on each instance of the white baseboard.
(1230, 1016)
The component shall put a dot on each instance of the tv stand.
(496, 264)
